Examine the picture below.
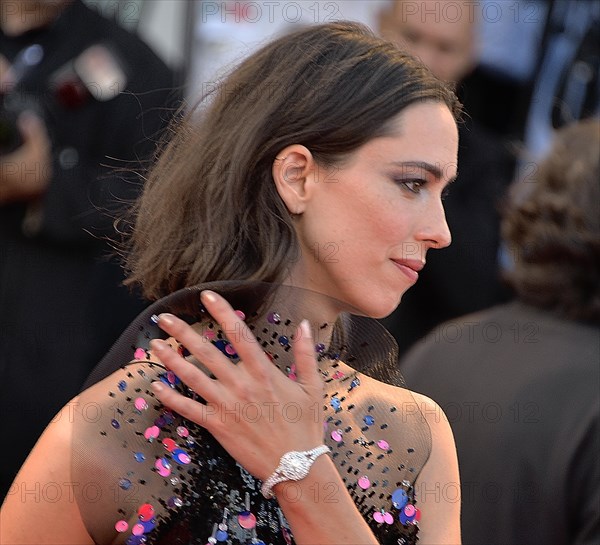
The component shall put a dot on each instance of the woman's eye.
(414, 186)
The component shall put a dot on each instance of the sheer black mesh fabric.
(155, 491)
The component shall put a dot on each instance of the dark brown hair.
(553, 231)
(210, 209)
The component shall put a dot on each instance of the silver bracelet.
(293, 466)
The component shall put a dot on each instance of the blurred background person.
(520, 381)
(538, 68)
(566, 86)
(80, 97)
(225, 32)
(464, 277)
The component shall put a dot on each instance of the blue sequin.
(399, 498)
(122, 385)
(335, 403)
(221, 344)
(139, 456)
(115, 424)
(148, 525)
(180, 456)
(405, 519)
(369, 420)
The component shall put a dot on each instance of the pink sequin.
(336, 435)
(383, 516)
(121, 526)
(182, 431)
(137, 530)
(151, 432)
(383, 445)
(139, 354)
(240, 314)
(364, 482)
(247, 521)
(409, 510)
(230, 350)
(140, 404)
(163, 469)
(210, 335)
(184, 458)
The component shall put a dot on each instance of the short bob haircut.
(210, 209)
(552, 228)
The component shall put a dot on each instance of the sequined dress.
(150, 476)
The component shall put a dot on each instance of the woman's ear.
(293, 173)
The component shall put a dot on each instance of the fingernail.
(209, 296)
(305, 328)
(166, 318)
(157, 386)
(157, 345)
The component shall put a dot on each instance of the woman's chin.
(380, 308)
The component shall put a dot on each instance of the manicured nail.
(208, 296)
(166, 318)
(305, 328)
(157, 386)
(157, 345)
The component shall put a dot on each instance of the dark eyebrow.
(432, 169)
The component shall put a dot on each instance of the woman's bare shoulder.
(438, 484)
(43, 504)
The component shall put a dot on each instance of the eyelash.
(420, 183)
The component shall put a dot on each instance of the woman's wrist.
(314, 506)
(293, 466)
(323, 484)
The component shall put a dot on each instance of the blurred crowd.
(502, 327)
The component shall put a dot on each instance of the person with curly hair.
(519, 382)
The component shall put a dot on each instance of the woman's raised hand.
(253, 409)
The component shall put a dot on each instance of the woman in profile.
(261, 403)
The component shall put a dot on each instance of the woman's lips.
(410, 267)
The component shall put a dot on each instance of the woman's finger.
(236, 330)
(307, 369)
(187, 372)
(200, 347)
(199, 413)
